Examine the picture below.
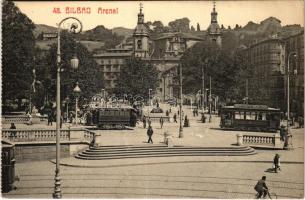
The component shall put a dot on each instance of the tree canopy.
(137, 77)
(17, 52)
(88, 75)
(217, 63)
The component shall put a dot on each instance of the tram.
(250, 117)
(115, 118)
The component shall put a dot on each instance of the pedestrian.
(186, 122)
(203, 118)
(149, 121)
(161, 121)
(144, 122)
(282, 133)
(276, 162)
(61, 120)
(149, 134)
(175, 118)
(301, 121)
(261, 188)
(12, 133)
(50, 118)
(170, 110)
(167, 113)
(194, 112)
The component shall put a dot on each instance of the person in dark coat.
(161, 122)
(261, 188)
(144, 122)
(167, 113)
(194, 112)
(175, 118)
(186, 122)
(282, 133)
(13, 126)
(149, 134)
(50, 119)
(12, 133)
(276, 162)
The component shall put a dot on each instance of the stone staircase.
(144, 151)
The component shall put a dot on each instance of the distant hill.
(121, 31)
(39, 28)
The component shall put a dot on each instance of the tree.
(88, 75)
(137, 77)
(158, 27)
(182, 25)
(192, 28)
(217, 63)
(17, 53)
(198, 27)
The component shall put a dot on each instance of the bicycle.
(270, 195)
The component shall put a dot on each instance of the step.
(129, 151)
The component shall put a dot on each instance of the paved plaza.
(167, 177)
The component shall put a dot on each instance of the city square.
(154, 111)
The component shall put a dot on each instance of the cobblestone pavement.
(174, 177)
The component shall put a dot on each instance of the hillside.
(39, 28)
(121, 31)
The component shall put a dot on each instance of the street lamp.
(76, 91)
(288, 85)
(149, 101)
(181, 97)
(75, 27)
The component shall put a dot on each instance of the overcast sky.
(229, 12)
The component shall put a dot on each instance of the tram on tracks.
(250, 117)
(115, 118)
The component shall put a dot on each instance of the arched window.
(139, 44)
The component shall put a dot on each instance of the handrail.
(25, 135)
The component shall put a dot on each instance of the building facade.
(295, 44)
(266, 63)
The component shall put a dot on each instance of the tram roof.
(250, 107)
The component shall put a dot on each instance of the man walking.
(144, 122)
(175, 118)
(161, 121)
(149, 134)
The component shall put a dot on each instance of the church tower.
(141, 37)
(214, 30)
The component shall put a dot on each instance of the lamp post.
(181, 96)
(75, 27)
(76, 91)
(210, 99)
(149, 101)
(288, 86)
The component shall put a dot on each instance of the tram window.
(263, 116)
(260, 116)
(239, 115)
(250, 116)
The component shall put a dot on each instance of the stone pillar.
(277, 141)
(239, 139)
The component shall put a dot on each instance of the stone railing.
(259, 140)
(31, 135)
(17, 119)
(88, 135)
(25, 135)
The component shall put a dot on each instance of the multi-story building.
(266, 62)
(111, 64)
(295, 44)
